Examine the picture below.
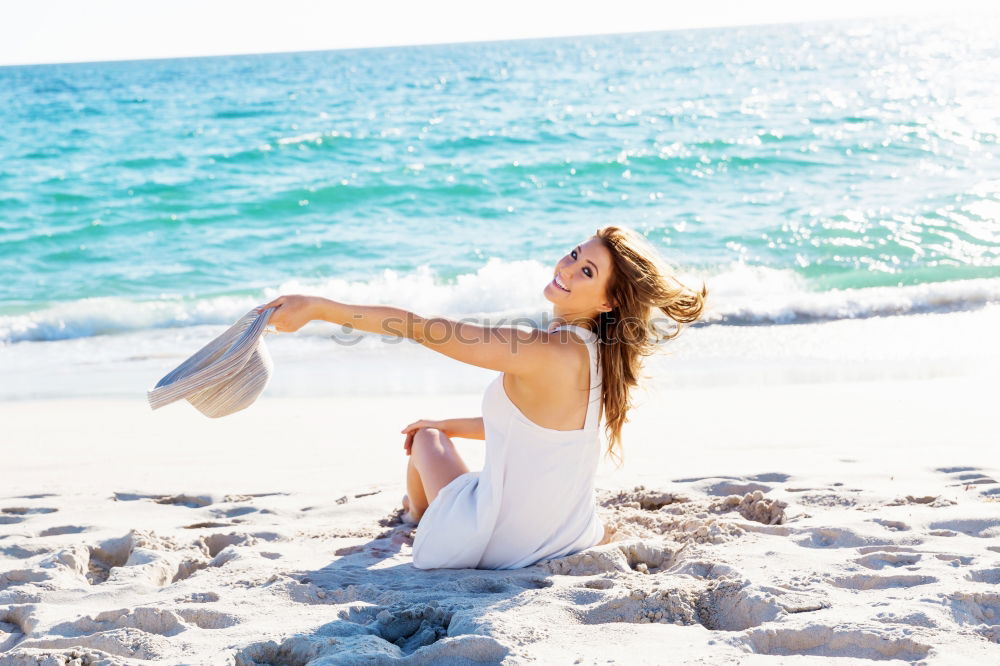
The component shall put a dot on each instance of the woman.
(534, 498)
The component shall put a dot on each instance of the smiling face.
(578, 287)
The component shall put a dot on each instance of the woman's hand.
(411, 430)
(293, 312)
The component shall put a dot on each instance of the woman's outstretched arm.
(518, 351)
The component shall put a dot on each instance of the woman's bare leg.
(415, 496)
(434, 463)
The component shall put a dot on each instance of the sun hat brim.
(224, 376)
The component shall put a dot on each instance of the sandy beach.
(763, 522)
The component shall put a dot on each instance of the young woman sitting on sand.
(534, 498)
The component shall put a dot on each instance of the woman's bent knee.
(436, 460)
(431, 438)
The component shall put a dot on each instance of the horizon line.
(895, 15)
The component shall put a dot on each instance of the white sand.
(776, 523)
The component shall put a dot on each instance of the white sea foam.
(502, 292)
(756, 295)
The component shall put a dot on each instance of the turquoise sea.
(805, 172)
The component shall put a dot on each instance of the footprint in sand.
(10, 634)
(641, 498)
(735, 485)
(408, 626)
(734, 604)
(466, 646)
(877, 582)
(724, 604)
(236, 511)
(894, 525)
(190, 501)
(411, 627)
(213, 544)
(251, 496)
(955, 560)
(991, 576)
(766, 477)
(932, 618)
(978, 610)
(63, 529)
(478, 585)
(832, 537)
(133, 633)
(598, 584)
(973, 479)
(933, 501)
(206, 618)
(198, 598)
(136, 558)
(704, 569)
(726, 488)
(984, 528)
(883, 559)
(207, 525)
(821, 499)
(16, 622)
(625, 556)
(22, 510)
(891, 557)
(219, 514)
(649, 513)
(294, 651)
(677, 604)
(827, 641)
(532, 582)
(23, 552)
(153, 620)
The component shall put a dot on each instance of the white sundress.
(534, 498)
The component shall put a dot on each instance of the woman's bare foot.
(608, 533)
(407, 516)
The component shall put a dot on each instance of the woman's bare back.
(556, 400)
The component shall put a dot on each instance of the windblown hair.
(640, 284)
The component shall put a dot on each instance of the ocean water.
(810, 172)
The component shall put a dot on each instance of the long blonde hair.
(640, 282)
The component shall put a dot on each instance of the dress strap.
(594, 395)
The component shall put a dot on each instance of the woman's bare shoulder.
(564, 354)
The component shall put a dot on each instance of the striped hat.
(224, 376)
